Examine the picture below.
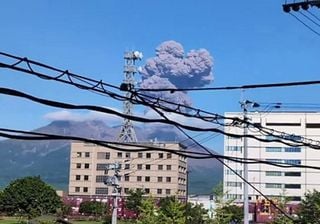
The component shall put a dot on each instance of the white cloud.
(82, 116)
(114, 120)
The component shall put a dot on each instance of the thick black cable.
(16, 93)
(141, 147)
(81, 86)
(102, 89)
(226, 165)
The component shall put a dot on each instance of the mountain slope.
(50, 159)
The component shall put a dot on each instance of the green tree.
(29, 196)
(225, 212)
(134, 200)
(196, 214)
(280, 218)
(172, 211)
(310, 208)
(94, 208)
(149, 212)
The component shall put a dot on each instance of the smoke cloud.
(171, 68)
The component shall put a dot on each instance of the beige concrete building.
(158, 173)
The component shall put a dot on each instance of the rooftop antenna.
(127, 133)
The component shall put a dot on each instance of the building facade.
(157, 173)
(274, 181)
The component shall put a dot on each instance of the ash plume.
(172, 68)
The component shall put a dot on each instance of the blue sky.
(251, 42)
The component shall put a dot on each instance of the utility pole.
(127, 133)
(244, 105)
(114, 181)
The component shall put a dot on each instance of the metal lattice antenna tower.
(127, 133)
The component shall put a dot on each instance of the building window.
(128, 155)
(86, 177)
(292, 186)
(140, 155)
(147, 190)
(126, 177)
(148, 167)
(79, 154)
(126, 190)
(231, 172)
(139, 178)
(126, 166)
(234, 148)
(169, 155)
(168, 179)
(274, 160)
(85, 189)
(292, 149)
(160, 155)
(77, 189)
(148, 155)
(168, 167)
(159, 191)
(234, 196)
(273, 185)
(77, 177)
(100, 179)
(119, 155)
(87, 154)
(78, 165)
(103, 155)
(147, 179)
(159, 179)
(139, 166)
(234, 184)
(293, 161)
(168, 191)
(273, 149)
(292, 174)
(86, 165)
(101, 190)
(160, 167)
(273, 173)
(101, 166)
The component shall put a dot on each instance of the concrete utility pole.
(127, 133)
(114, 181)
(244, 105)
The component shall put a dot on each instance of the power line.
(303, 23)
(224, 164)
(307, 17)
(143, 147)
(99, 86)
(312, 14)
(147, 120)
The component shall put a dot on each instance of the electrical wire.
(313, 15)
(16, 93)
(143, 147)
(310, 19)
(98, 86)
(226, 165)
(303, 23)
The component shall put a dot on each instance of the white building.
(274, 181)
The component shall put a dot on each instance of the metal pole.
(245, 167)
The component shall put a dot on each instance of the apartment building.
(274, 181)
(158, 173)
